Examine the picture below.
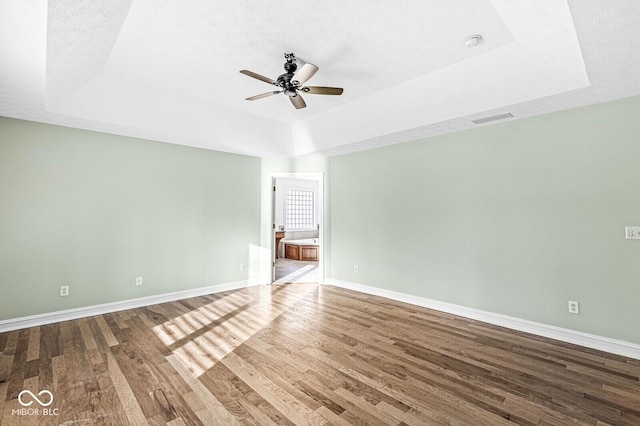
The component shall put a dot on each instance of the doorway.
(298, 228)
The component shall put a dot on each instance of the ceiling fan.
(291, 82)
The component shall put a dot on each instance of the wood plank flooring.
(305, 354)
(296, 271)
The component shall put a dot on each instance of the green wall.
(93, 211)
(515, 218)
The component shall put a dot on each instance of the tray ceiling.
(169, 71)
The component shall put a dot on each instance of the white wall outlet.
(356, 269)
(242, 267)
(574, 307)
(64, 290)
(632, 232)
(138, 281)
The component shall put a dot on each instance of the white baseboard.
(592, 341)
(606, 344)
(105, 308)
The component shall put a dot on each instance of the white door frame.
(318, 177)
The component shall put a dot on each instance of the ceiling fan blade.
(305, 73)
(264, 95)
(297, 101)
(322, 90)
(258, 76)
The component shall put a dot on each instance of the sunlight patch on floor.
(206, 348)
(306, 273)
(180, 327)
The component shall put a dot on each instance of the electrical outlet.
(632, 232)
(242, 267)
(64, 290)
(356, 269)
(574, 307)
(138, 281)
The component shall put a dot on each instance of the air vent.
(492, 118)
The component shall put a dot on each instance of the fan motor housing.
(284, 81)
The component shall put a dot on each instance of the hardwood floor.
(296, 271)
(305, 354)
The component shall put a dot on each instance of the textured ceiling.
(168, 71)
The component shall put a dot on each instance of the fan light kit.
(291, 82)
(473, 40)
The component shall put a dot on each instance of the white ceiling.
(168, 70)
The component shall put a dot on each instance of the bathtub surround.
(296, 236)
(306, 249)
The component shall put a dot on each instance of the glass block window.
(299, 209)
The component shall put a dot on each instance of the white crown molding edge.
(606, 344)
(105, 308)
